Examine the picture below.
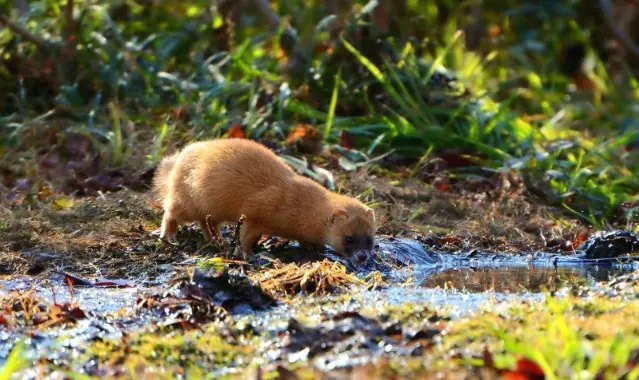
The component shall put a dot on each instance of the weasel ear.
(336, 214)
(370, 214)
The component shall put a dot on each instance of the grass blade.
(331, 109)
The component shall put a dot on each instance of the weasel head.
(351, 232)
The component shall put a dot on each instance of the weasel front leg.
(169, 228)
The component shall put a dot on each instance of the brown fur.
(224, 179)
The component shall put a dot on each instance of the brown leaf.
(381, 17)
(8, 176)
(324, 48)
(346, 140)
(103, 182)
(77, 313)
(455, 158)
(582, 81)
(178, 111)
(489, 362)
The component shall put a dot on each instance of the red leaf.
(236, 132)
(72, 279)
(441, 184)
(578, 240)
(514, 375)
(530, 368)
(117, 283)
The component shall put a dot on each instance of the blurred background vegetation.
(93, 93)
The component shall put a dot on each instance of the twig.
(235, 242)
(27, 35)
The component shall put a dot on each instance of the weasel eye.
(348, 240)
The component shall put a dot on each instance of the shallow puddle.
(519, 279)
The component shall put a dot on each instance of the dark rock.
(609, 244)
(230, 288)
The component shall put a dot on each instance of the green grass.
(142, 82)
(15, 362)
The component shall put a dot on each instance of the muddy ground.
(95, 293)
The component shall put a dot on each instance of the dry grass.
(109, 235)
(318, 277)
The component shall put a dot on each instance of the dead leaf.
(346, 140)
(455, 158)
(178, 111)
(324, 48)
(305, 138)
(529, 367)
(45, 193)
(73, 280)
(578, 240)
(441, 184)
(236, 131)
(494, 31)
(113, 283)
(583, 82)
(381, 16)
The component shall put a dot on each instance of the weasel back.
(161, 177)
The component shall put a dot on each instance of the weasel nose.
(361, 257)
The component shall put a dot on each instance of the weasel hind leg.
(249, 235)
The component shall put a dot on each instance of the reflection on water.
(510, 279)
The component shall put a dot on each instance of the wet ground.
(95, 310)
